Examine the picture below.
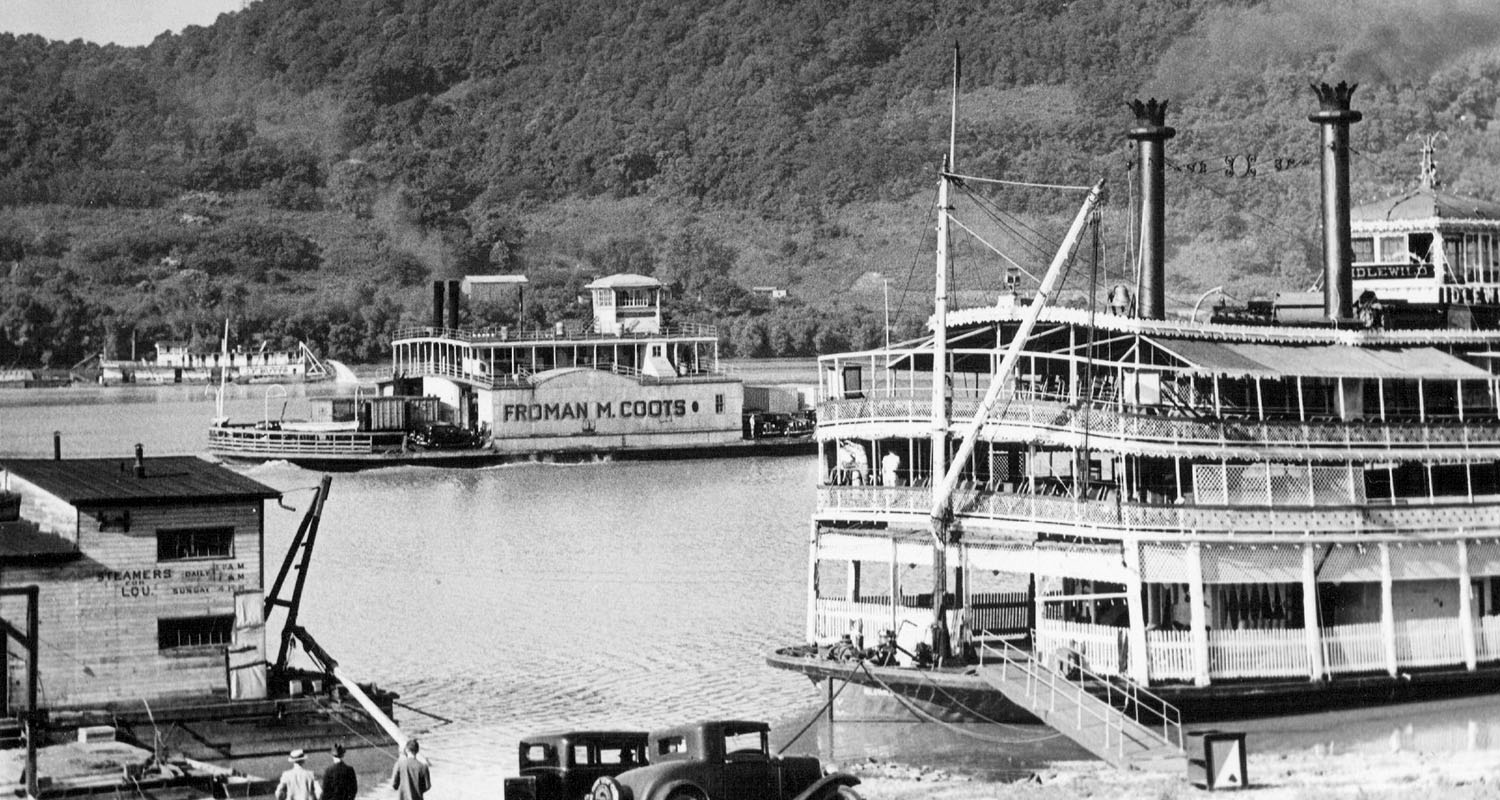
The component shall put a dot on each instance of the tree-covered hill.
(304, 167)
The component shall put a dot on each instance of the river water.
(515, 598)
(539, 596)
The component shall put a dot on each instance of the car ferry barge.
(1282, 507)
(626, 385)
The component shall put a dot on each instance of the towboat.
(626, 385)
(1289, 504)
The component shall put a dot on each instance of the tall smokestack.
(437, 304)
(140, 461)
(454, 298)
(1334, 117)
(1150, 134)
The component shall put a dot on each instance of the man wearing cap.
(411, 778)
(298, 782)
(339, 781)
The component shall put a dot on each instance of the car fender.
(826, 784)
(664, 790)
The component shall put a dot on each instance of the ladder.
(1114, 718)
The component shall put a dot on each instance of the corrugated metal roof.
(1327, 361)
(85, 482)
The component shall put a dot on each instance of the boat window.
(191, 543)
(1364, 249)
(1393, 250)
(181, 632)
(718, 404)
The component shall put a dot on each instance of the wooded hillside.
(304, 167)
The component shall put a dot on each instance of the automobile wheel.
(605, 788)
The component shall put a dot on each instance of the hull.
(959, 695)
(309, 455)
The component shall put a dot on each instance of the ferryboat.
(625, 385)
(177, 362)
(135, 607)
(1288, 504)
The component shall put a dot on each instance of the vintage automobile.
(441, 436)
(722, 760)
(564, 766)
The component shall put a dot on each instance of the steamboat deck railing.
(976, 503)
(1101, 422)
(259, 441)
(447, 368)
(498, 334)
(1233, 654)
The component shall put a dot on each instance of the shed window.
(179, 632)
(183, 544)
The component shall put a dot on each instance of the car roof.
(555, 737)
(736, 725)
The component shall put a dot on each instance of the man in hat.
(298, 782)
(411, 778)
(339, 781)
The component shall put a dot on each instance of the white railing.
(834, 618)
(1109, 422)
(258, 441)
(1429, 642)
(516, 334)
(1487, 638)
(1169, 656)
(1097, 714)
(1257, 653)
(1353, 648)
(1114, 513)
(1101, 646)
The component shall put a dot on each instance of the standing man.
(890, 467)
(298, 782)
(411, 778)
(339, 780)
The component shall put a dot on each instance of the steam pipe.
(1334, 119)
(1150, 135)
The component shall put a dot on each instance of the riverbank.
(1466, 776)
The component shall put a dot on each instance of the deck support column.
(1387, 609)
(812, 582)
(1137, 656)
(1311, 623)
(1466, 608)
(1197, 619)
(895, 588)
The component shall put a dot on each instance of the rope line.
(1027, 184)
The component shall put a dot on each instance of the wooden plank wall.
(98, 622)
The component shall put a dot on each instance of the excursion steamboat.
(625, 384)
(1290, 504)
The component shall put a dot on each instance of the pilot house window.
(179, 632)
(185, 544)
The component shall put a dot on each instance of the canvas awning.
(1321, 361)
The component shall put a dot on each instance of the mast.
(941, 512)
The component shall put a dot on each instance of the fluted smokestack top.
(1150, 120)
(1333, 102)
